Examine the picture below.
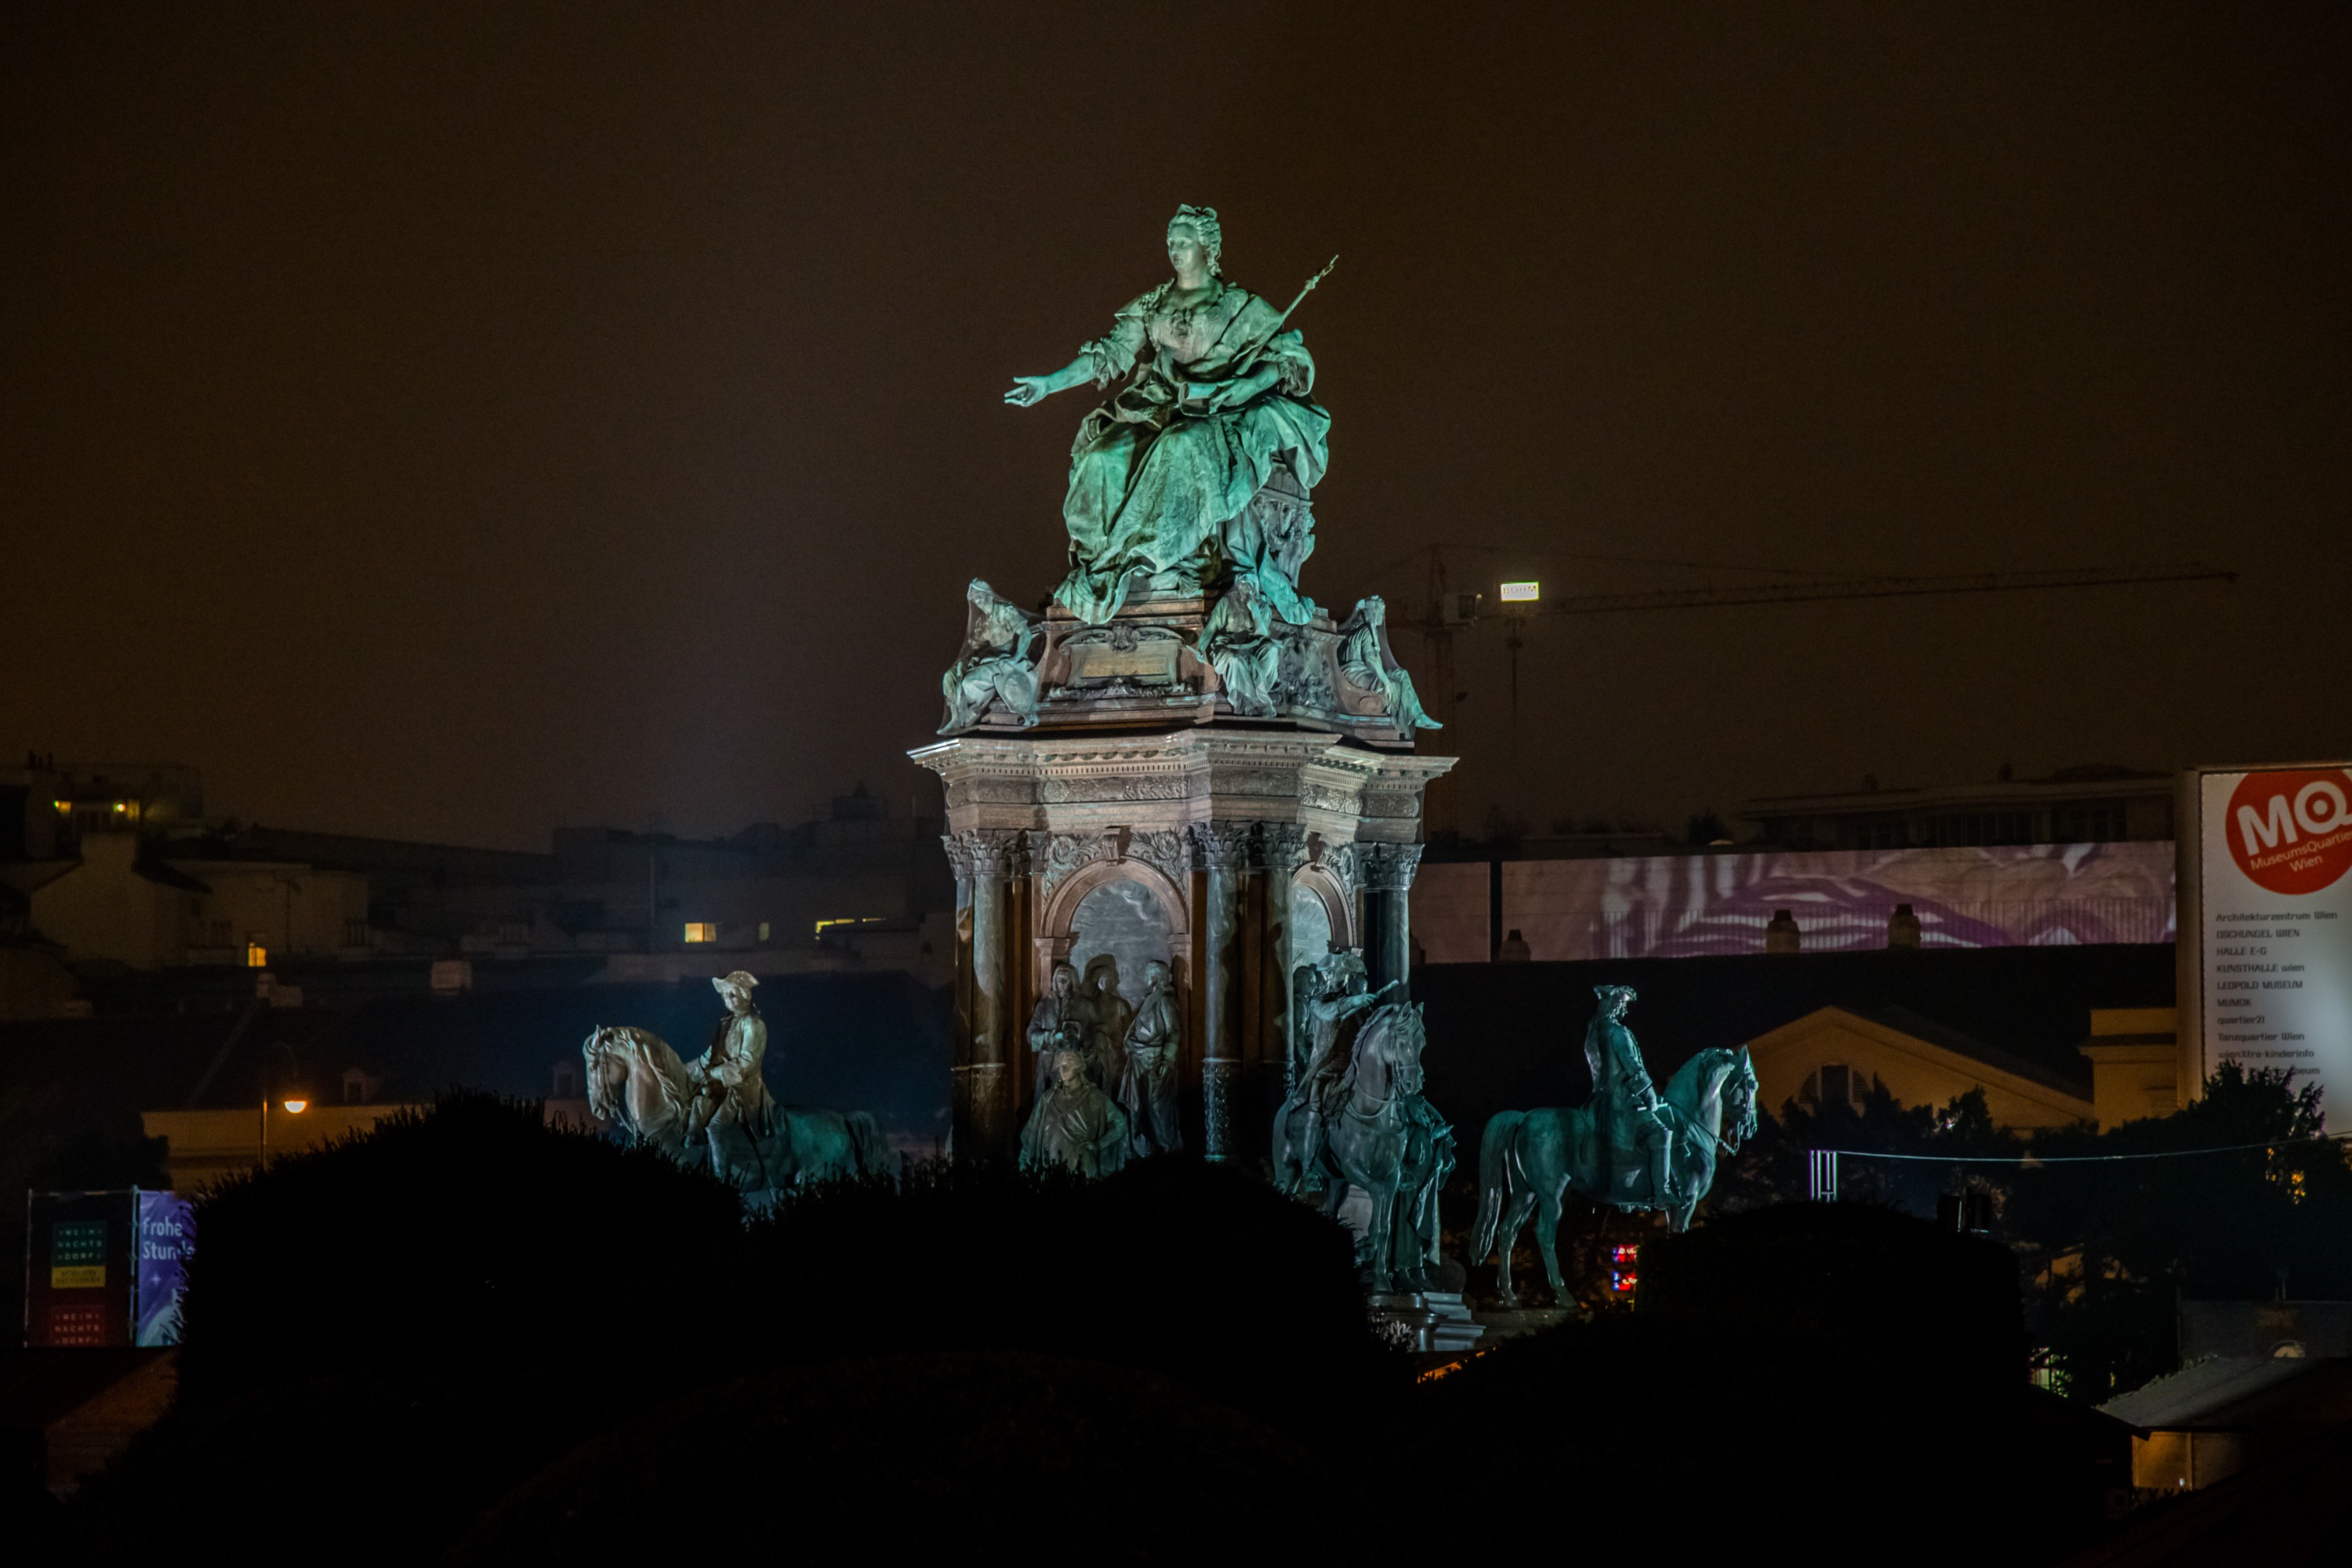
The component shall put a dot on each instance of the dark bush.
(1199, 1272)
(979, 1457)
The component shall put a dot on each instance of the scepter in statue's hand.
(1201, 398)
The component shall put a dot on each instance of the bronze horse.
(635, 1081)
(1370, 1140)
(1529, 1161)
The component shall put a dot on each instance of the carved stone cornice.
(992, 852)
(1390, 868)
(1222, 846)
(1281, 847)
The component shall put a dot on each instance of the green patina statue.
(1162, 475)
(715, 1113)
(1147, 1090)
(1632, 1148)
(1074, 1125)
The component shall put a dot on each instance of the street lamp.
(296, 1100)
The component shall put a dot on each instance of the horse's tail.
(869, 1153)
(1494, 1178)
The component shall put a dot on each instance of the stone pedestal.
(1426, 1321)
(1139, 817)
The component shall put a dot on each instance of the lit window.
(1521, 593)
(763, 931)
(701, 930)
(256, 955)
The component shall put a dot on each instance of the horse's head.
(1392, 1039)
(606, 1056)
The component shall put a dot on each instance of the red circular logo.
(2292, 832)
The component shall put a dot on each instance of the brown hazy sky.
(454, 420)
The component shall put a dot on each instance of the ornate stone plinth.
(1234, 851)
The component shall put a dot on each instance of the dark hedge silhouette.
(985, 1456)
(384, 1337)
(1842, 1383)
(1200, 1272)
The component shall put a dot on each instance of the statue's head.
(1344, 972)
(1156, 976)
(735, 989)
(1376, 609)
(1069, 1066)
(979, 592)
(1615, 999)
(1196, 226)
(1065, 979)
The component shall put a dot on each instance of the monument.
(1633, 1147)
(1184, 780)
(715, 1114)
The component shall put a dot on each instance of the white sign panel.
(2271, 852)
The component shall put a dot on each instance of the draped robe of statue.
(1154, 483)
(1365, 655)
(1058, 1023)
(1078, 1127)
(1147, 1090)
(1237, 641)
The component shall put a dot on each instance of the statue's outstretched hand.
(1027, 391)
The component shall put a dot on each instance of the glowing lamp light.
(1521, 593)
(295, 1104)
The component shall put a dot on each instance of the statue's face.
(1186, 254)
(1067, 1069)
(736, 997)
(1062, 979)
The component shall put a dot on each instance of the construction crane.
(1452, 611)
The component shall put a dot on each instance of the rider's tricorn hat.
(1611, 993)
(742, 978)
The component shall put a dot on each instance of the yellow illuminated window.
(701, 930)
(1521, 593)
(256, 955)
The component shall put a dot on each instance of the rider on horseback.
(1635, 1136)
(1340, 995)
(727, 1086)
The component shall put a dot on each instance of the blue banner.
(167, 1235)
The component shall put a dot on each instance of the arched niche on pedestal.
(1120, 914)
(1322, 915)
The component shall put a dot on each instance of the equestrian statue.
(1357, 1117)
(715, 1114)
(1630, 1147)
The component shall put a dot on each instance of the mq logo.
(2290, 831)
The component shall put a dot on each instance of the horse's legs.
(1548, 1243)
(1380, 1231)
(1517, 1207)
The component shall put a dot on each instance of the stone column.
(1281, 850)
(1222, 851)
(984, 1108)
(1388, 872)
(959, 862)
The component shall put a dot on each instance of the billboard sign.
(167, 1236)
(2267, 924)
(107, 1270)
(79, 1284)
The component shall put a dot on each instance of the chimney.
(1781, 935)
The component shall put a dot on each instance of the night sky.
(453, 422)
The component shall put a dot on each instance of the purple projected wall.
(1688, 906)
